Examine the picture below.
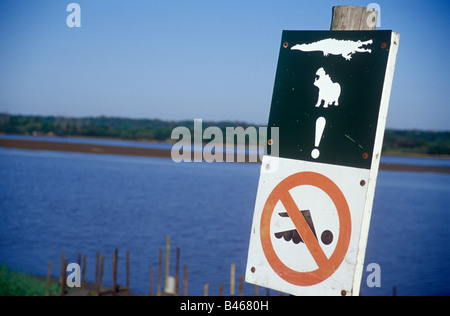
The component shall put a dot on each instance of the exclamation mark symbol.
(320, 127)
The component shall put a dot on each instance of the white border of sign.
(379, 136)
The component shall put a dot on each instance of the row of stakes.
(171, 284)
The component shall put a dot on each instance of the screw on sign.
(326, 266)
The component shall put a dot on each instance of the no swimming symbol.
(326, 237)
(305, 229)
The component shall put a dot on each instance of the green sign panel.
(327, 95)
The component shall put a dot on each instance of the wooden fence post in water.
(241, 285)
(167, 266)
(220, 289)
(177, 272)
(114, 268)
(205, 289)
(64, 276)
(102, 263)
(62, 269)
(150, 291)
(185, 280)
(158, 286)
(232, 279)
(128, 272)
(83, 277)
(97, 259)
(49, 277)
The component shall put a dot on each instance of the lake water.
(83, 203)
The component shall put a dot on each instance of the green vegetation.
(106, 127)
(395, 142)
(416, 142)
(18, 284)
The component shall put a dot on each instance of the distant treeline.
(105, 127)
(395, 141)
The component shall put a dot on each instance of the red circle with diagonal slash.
(326, 266)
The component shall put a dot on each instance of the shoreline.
(166, 153)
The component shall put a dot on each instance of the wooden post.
(114, 271)
(177, 272)
(255, 293)
(102, 264)
(150, 291)
(185, 280)
(346, 18)
(97, 259)
(61, 270)
(49, 277)
(158, 286)
(63, 285)
(128, 272)
(241, 284)
(205, 289)
(232, 279)
(220, 289)
(83, 277)
(167, 265)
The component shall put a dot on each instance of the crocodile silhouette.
(333, 46)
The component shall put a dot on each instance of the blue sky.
(209, 59)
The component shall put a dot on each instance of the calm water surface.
(83, 203)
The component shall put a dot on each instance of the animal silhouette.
(335, 47)
(329, 91)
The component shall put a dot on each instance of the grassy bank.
(19, 284)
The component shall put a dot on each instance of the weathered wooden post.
(83, 277)
(158, 286)
(102, 264)
(205, 289)
(167, 263)
(346, 18)
(177, 272)
(185, 280)
(49, 277)
(150, 292)
(63, 286)
(128, 272)
(241, 285)
(62, 272)
(97, 262)
(232, 279)
(115, 257)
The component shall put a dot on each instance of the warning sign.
(326, 266)
(314, 201)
